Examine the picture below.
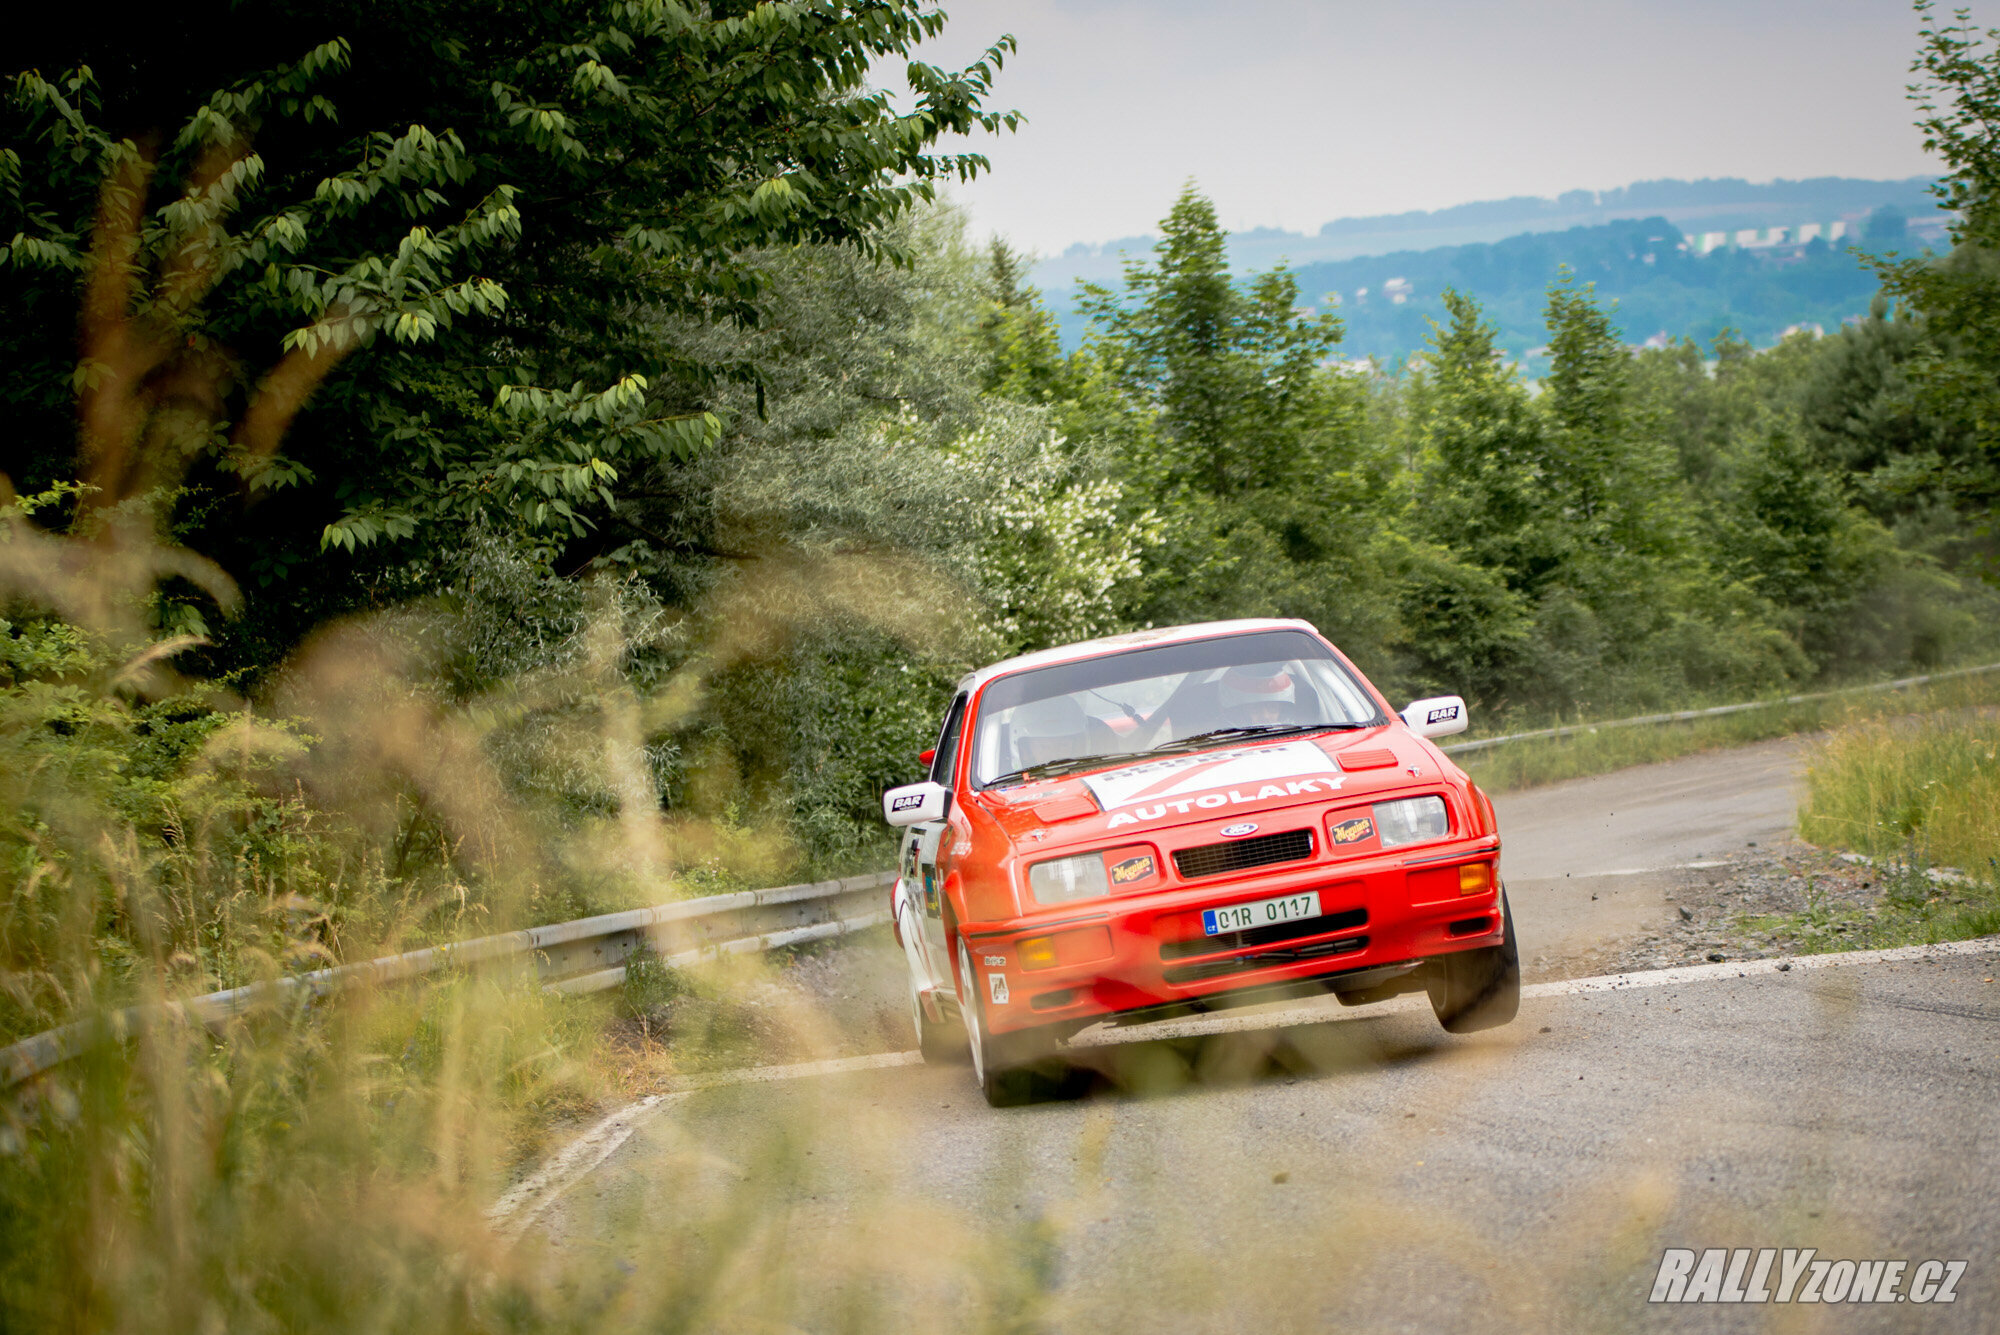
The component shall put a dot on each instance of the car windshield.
(1072, 714)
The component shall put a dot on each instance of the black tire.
(1006, 1066)
(1473, 990)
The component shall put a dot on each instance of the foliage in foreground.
(331, 1170)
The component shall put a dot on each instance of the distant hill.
(1721, 264)
(1721, 204)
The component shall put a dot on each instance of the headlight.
(1414, 820)
(1065, 879)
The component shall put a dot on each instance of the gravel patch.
(1788, 900)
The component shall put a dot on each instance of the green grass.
(1891, 788)
(1528, 764)
(1914, 910)
(1914, 794)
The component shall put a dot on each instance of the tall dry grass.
(320, 1165)
(1890, 787)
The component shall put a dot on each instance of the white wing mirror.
(1438, 716)
(915, 803)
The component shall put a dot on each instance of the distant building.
(1397, 290)
(1793, 238)
(1659, 340)
(1932, 232)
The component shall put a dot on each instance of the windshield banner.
(1248, 768)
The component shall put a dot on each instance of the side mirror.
(1437, 716)
(926, 757)
(915, 803)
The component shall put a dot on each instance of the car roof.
(1111, 644)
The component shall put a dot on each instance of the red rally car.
(1182, 819)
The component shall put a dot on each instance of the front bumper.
(1136, 952)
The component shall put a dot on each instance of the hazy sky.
(1292, 112)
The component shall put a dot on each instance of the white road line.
(518, 1209)
(1632, 871)
(524, 1202)
(1702, 973)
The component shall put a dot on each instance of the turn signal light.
(1475, 878)
(1079, 946)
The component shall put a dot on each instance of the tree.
(1242, 437)
(1958, 369)
(1232, 375)
(380, 268)
(1476, 487)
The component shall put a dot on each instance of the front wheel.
(1472, 990)
(1003, 1064)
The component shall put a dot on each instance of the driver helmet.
(1051, 729)
(1257, 693)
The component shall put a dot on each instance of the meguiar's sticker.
(1353, 831)
(1132, 869)
(996, 983)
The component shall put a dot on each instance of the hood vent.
(1376, 759)
(1067, 808)
(1237, 854)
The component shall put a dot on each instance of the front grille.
(1237, 854)
(1263, 936)
(1265, 959)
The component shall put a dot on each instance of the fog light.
(1038, 952)
(1475, 878)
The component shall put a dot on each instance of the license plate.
(1260, 913)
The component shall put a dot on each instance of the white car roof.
(1111, 644)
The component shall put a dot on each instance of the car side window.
(947, 747)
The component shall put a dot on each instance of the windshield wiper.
(1258, 730)
(1050, 768)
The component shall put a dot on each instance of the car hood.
(1242, 779)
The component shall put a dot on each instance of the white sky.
(1289, 113)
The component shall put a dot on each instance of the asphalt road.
(1590, 862)
(1309, 1168)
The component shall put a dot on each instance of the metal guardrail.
(586, 955)
(1684, 715)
